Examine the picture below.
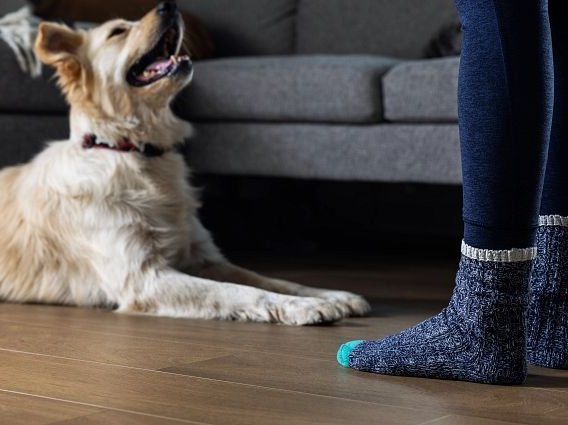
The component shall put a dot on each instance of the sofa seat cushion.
(389, 153)
(288, 88)
(21, 93)
(422, 91)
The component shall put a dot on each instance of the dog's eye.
(116, 31)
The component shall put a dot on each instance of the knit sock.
(548, 303)
(479, 337)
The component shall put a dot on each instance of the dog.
(108, 217)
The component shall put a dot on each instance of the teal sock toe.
(345, 350)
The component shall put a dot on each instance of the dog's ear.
(58, 45)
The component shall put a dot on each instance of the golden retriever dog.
(108, 218)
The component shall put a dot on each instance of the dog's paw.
(300, 311)
(350, 304)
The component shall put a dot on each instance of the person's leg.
(555, 193)
(505, 107)
(548, 307)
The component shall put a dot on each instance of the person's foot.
(548, 306)
(479, 337)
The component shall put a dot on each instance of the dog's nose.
(167, 8)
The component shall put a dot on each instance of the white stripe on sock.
(553, 220)
(498, 256)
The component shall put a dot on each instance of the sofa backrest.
(397, 28)
(248, 27)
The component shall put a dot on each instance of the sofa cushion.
(249, 27)
(390, 153)
(24, 135)
(288, 88)
(7, 6)
(398, 28)
(21, 93)
(419, 91)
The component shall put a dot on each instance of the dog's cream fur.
(98, 227)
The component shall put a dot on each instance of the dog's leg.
(209, 263)
(174, 294)
(349, 303)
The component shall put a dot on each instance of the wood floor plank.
(105, 348)
(122, 418)
(560, 414)
(325, 377)
(318, 376)
(467, 420)
(380, 280)
(182, 397)
(548, 379)
(235, 336)
(94, 367)
(17, 409)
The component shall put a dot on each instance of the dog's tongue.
(158, 67)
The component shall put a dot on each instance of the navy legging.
(513, 114)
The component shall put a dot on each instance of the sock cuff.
(498, 256)
(553, 220)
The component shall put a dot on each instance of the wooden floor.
(70, 366)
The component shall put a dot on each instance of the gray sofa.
(318, 89)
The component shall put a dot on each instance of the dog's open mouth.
(160, 62)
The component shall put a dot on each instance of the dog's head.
(120, 69)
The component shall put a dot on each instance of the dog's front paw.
(301, 311)
(350, 304)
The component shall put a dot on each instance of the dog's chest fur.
(103, 214)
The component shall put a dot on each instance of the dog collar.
(123, 145)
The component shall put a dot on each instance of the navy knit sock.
(479, 337)
(548, 305)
